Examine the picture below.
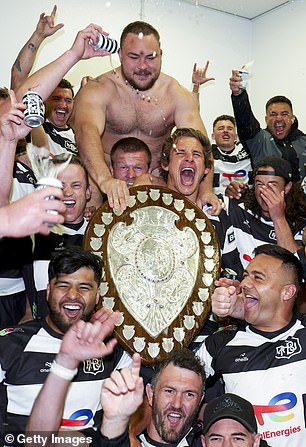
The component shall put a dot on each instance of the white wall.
(279, 44)
(188, 34)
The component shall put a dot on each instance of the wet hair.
(184, 132)
(76, 160)
(131, 145)
(182, 358)
(289, 260)
(225, 118)
(4, 92)
(64, 83)
(278, 99)
(139, 27)
(71, 259)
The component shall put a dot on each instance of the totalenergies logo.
(79, 418)
(276, 405)
(239, 175)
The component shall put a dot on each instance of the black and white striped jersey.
(269, 370)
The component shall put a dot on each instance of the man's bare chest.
(151, 117)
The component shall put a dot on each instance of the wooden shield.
(161, 256)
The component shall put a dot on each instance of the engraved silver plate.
(161, 256)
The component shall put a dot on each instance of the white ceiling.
(249, 9)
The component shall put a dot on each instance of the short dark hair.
(139, 27)
(182, 358)
(131, 145)
(64, 83)
(289, 260)
(185, 132)
(4, 92)
(73, 258)
(278, 99)
(224, 118)
(76, 160)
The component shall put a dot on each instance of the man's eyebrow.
(232, 434)
(83, 283)
(255, 272)
(61, 281)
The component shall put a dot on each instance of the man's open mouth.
(187, 176)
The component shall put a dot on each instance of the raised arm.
(121, 395)
(11, 130)
(199, 77)
(26, 57)
(82, 341)
(88, 121)
(247, 124)
(47, 78)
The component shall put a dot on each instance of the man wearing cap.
(273, 212)
(230, 420)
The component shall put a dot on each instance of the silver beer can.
(245, 77)
(49, 181)
(34, 115)
(105, 43)
(228, 273)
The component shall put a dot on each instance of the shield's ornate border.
(189, 218)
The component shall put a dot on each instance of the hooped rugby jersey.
(269, 370)
(26, 354)
(251, 232)
(60, 140)
(231, 167)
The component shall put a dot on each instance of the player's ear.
(149, 393)
(165, 167)
(288, 292)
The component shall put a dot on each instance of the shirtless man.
(135, 99)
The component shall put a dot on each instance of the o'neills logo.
(242, 358)
(93, 366)
(288, 349)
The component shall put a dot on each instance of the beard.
(62, 323)
(169, 435)
(135, 85)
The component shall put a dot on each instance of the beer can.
(34, 115)
(245, 77)
(49, 181)
(105, 43)
(228, 273)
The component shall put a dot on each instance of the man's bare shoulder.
(103, 83)
(174, 88)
